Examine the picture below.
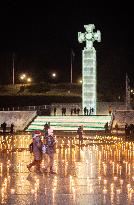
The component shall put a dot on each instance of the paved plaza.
(98, 171)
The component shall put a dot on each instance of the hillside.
(44, 93)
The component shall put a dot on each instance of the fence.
(26, 108)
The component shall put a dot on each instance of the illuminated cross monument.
(89, 95)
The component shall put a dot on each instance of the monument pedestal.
(89, 80)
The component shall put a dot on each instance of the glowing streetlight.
(53, 75)
(29, 80)
(23, 76)
(25, 79)
(79, 81)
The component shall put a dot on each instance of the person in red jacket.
(37, 151)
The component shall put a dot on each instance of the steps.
(94, 122)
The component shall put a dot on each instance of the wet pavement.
(98, 171)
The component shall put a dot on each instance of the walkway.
(100, 171)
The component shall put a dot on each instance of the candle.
(12, 191)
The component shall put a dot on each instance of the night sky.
(41, 36)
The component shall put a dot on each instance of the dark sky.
(42, 35)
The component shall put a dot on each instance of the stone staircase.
(70, 123)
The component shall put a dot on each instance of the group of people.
(74, 111)
(4, 128)
(46, 148)
(43, 149)
(129, 129)
(88, 111)
(63, 111)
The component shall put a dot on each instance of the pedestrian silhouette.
(54, 110)
(78, 110)
(75, 110)
(116, 128)
(85, 110)
(12, 128)
(4, 126)
(106, 127)
(71, 111)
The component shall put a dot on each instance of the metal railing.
(25, 108)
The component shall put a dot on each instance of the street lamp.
(54, 75)
(29, 80)
(23, 77)
(79, 81)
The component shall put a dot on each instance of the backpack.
(31, 147)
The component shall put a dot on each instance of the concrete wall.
(124, 116)
(20, 119)
(103, 107)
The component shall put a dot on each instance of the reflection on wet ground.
(99, 170)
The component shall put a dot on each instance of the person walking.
(37, 151)
(65, 111)
(110, 109)
(72, 111)
(80, 134)
(106, 127)
(126, 129)
(62, 111)
(46, 126)
(116, 128)
(4, 126)
(50, 149)
(75, 110)
(12, 128)
(78, 111)
(85, 110)
(55, 111)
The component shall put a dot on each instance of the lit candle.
(128, 187)
(104, 191)
(115, 178)
(105, 181)
(118, 191)
(113, 167)
(12, 191)
(120, 169)
(121, 182)
(129, 168)
(112, 188)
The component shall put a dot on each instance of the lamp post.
(71, 72)
(13, 68)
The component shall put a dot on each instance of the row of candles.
(112, 162)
